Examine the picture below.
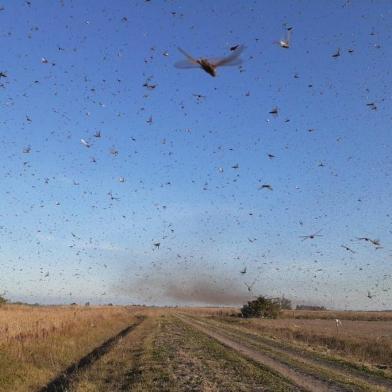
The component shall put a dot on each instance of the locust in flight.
(210, 65)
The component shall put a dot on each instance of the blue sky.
(80, 223)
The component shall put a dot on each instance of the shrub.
(261, 307)
(3, 300)
(285, 303)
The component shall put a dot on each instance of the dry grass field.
(369, 342)
(38, 342)
(73, 348)
(341, 315)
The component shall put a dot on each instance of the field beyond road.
(74, 348)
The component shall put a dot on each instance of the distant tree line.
(310, 307)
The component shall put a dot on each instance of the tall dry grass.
(208, 311)
(36, 343)
(21, 323)
(337, 314)
(362, 341)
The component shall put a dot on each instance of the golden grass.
(36, 343)
(22, 323)
(364, 341)
(337, 314)
(118, 369)
(208, 311)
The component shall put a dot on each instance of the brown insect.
(210, 65)
(285, 43)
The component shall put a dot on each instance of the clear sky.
(79, 223)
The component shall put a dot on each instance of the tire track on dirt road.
(370, 381)
(62, 382)
(296, 376)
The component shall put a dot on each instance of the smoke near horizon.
(187, 287)
(206, 292)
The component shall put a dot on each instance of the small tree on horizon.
(3, 300)
(285, 303)
(261, 307)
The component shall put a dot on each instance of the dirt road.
(164, 353)
(179, 352)
(306, 370)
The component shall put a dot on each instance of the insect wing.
(229, 60)
(221, 62)
(185, 64)
(188, 56)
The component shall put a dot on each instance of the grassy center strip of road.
(120, 368)
(357, 374)
(304, 374)
(177, 357)
(62, 381)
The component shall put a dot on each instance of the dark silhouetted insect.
(157, 245)
(274, 111)
(3, 75)
(336, 54)
(243, 271)
(347, 248)
(250, 286)
(372, 106)
(113, 151)
(199, 96)
(149, 86)
(310, 236)
(374, 242)
(112, 197)
(210, 65)
(266, 186)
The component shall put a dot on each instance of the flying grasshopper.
(210, 65)
(285, 42)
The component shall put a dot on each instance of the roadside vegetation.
(336, 314)
(262, 307)
(368, 343)
(318, 371)
(36, 343)
(164, 352)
